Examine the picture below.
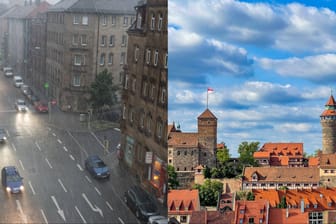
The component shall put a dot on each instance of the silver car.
(21, 106)
(3, 137)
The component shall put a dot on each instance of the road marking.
(80, 214)
(97, 191)
(59, 210)
(48, 163)
(8, 133)
(59, 181)
(86, 154)
(116, 129)
(108, 205)
(65, 149)
(121, 220)
(54, 134)
(31, 187)
(94, 208)
(19, 207)
(71, 156)
(38, 146)
(88, 179)
(44, 217)
(21, 164)
(59, 141)
(95, 136)
(79, 167)
(13, 146)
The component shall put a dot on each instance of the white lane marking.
(65, 149)
(121, 220)
(13, 146)
(95, 136)
(86, 154)
(94, 208)
(79, 167)
(59, 141)
(108, 205)
(71, 156)
(80, 214)
(59, 181)
(116, 129)
(97, 191)
(38, 146)
(59, 210)
(44, 217)
(88, 179)
(21, 164)
(54, 134)
(48, 163)
(19, 207)
(7, 133)
(31, 187)
(49, 129)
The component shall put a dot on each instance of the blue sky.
(272, 65)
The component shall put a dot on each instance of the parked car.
(141, 203)
(3, 137)
(96, 167)
(157, 219)
(34, 99)
(21, 106)
(9, 74)
(8, 71)
(17, 81)
(11, 179)
(41, 107)
(25, 89)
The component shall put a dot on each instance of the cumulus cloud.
(182, 39)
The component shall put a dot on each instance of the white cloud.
(182, 38)
(185, 96)
(293, 127)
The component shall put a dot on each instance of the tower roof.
(331, 101)
(330, 107)
(207, 114)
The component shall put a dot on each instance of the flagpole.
(207, 98)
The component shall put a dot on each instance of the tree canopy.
(172, 178)
(246, 151)
(209, 192)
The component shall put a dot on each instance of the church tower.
(207, 137)
(328, 122)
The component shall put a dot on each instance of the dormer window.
(255, 177)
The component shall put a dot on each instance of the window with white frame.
(103, 40)
(139, 21)
(113, 18)
(78, 59)
(149, 124)
(110, 59)
(85, 20)
(160, 22)
(104, 20)
(83, 40)
(125, 20)
(112, 39)
(144, 89)
(124, 112)
(159, 130)
(75, 39)
(166, 61)
(124, 40)
(76, 80)
(136, 53)
(156, 57)
(76, 19)
(122, 58)
(102, 59)
(126, 82)
(163, 96)
(148, 56)
(131, 116)
(153, 22)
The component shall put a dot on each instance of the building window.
(103, 41)
(153, 22)
(124, 112)
(126, 82)
(178, 153)
(131, 116)
(76, 80)
(124, 41)
(156, 57)
(139, 21)
(144, 89)
(75, 39)
(163, 96)
(76, 19)
(122, 58)
(149, 125)
(112, 40)
(125, 20)
(148, 56)
(160, 22)
(113, 18)
(110, 59)
(102, 59)
(159, 130)
(78, 60)
(83, 40)
(134, 85)
(85, 20)
(166, 61)
(142, 120)
(251, 220)
(185, 153)
(136, 53)
(104, 20)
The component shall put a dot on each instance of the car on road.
(25, 89)
(21, 106)
(17, 81)
(11, 179)
(157, 219)
(97, 167)
(3, 137)
(41, 107)
(8, 71)
(141, 203)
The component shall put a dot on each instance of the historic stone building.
(328, 122)
(144, 98)
(83, 39)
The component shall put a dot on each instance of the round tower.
(328, 122)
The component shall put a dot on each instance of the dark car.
(141, 203)
(3, 137)
(11, 179)
(41, 107)
(97, 167)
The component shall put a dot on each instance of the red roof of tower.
(331, 101)
(207, 114)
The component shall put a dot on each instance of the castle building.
(328, 122)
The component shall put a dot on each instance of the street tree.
(222, 155)
(209, 192)
(173, 183)
(246, 151)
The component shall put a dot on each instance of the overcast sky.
(271, 64)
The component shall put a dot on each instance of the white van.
(8, 71)
(18, 81)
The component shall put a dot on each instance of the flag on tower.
(210, 89)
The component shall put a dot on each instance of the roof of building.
(41, 8)
(285, 149)
(179, 139)
(183, 201)
(295, 216)
(207, 114)
(21, 12)
(331, 101)
(96, 6)
(313, 161)
(260, 154)
(282, 174)
(328, 161)
(211, 217)
(257, 209)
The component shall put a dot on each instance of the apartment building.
(83, 39)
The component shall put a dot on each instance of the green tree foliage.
(103, 91)
(209, 192)
(245, 195)
(222, 155)
(172, 178)
(283, 203)
(207, 172)
(246, 151)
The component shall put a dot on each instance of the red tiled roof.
(331, 101)
(261, 154)
(183, 201)
(257, 208)
(179, 139)
(207, 114)
(328, 161)
(41, 8)
(211, 217)
(286, 149)
(278, 215)
(328, 113)
(313, 161)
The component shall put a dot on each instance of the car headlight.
(8, 189)
(21, 187)
(4, 138)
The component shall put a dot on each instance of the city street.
(50, 158)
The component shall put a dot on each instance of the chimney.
(302, 206)
(287, 213)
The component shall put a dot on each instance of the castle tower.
(328, 122)
(207, 137)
